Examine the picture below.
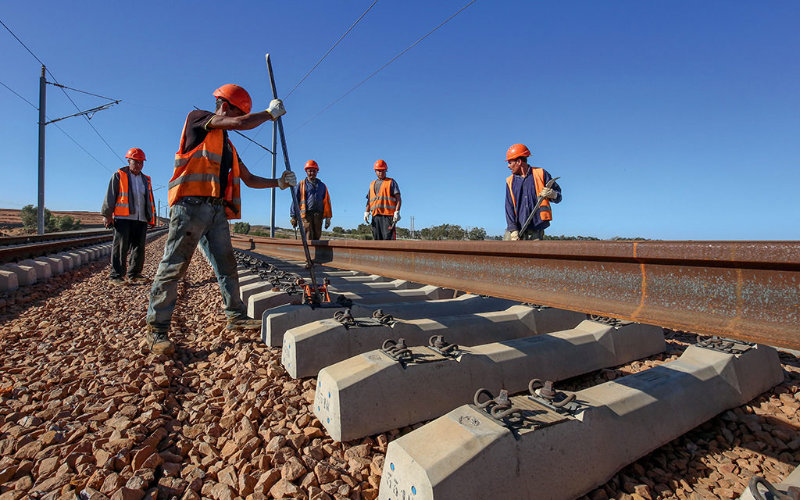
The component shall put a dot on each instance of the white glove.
(327, 222)
(276, 109)
(396, 217)
(287, 179)
(366, 217)
(548, 193)
(514, 235)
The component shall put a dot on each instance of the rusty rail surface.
(747, 290)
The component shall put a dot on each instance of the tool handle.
(539, 200)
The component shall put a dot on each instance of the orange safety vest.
(382, 203)
(326, 201)
(545, 213)
(197, 173)
(122, 205)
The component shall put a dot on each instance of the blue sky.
(665, 120)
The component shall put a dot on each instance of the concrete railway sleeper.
(542, 452)
(376, 392)
(311, 347)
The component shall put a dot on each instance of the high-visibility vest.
(326, 201)
(122, 205)
(197, 173)
(382, 202)
(545, 213)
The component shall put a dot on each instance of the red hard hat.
(381, 165)
(135, 154)
(312, 164)
(235, 95)
(517, 150)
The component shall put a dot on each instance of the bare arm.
(244, 122)
(255, 181)
(399, 202)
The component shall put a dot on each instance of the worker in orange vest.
(314, 201)
(383, 203)
(129, 208)
(203, 196)
(523, 187)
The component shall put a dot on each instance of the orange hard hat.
(381, 165)
(312, 164)
(517, 150)
(135, 154)
(235, 95)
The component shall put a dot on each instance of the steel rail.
(746, 290)
(61, 235)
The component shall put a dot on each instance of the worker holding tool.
(525, 187)
(383, 203)
(314, 201)
(129, 208)
(203, 195)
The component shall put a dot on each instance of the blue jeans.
(194, 220)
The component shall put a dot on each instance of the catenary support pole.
(42, 119)
(279, 121)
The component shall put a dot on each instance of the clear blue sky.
(666, 120)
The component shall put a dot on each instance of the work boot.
(135, 280)
(244, 323)
(158, 342)
(117, 281)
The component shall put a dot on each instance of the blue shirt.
(525, 193)
(315, 197)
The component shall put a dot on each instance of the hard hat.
(235, 95)
(517, 150)
(312, 164)
(381, 165)
(135, 154)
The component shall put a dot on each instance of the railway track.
(321, 375)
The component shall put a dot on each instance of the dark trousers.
(382, 227)
(312, 223)
(129, 235)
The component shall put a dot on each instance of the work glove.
(327, 222)
(396, 217)
(514, 235)
(293, 221)
(366, 217)
(287, 179)
(276, 109)
(548, 193)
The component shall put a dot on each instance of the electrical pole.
(42, 119)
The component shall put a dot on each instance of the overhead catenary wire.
(362, 82)
(64, 91)
(331, 49)
(59, 128)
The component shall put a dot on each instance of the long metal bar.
(747, 290)
(309, 261)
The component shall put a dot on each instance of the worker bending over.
(203, 195)
(314, 201)
(522, 187)
(383, 203)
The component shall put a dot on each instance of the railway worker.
(314, 201)
(129, 208)
(522, 187)
(203, 195)
(383, 203)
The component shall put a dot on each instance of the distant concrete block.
(67, 259)
(8, 281)
(26, 275)
(56, 264)
(42, 268)
(260, 302)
